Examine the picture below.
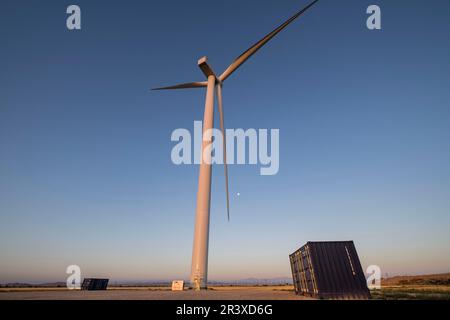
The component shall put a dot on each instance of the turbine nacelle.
(206, 68)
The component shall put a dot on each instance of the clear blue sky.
(85, 171)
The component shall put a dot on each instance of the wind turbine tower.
(213, 84)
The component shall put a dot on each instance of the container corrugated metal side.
(94, 284)
(329, 270)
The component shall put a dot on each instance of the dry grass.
(423, 287)
(411, 292)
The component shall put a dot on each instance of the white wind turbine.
(201, 234)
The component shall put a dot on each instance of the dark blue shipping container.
(329, 270)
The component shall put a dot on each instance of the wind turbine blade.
(252, 50)
(222, 128)
(185, 86)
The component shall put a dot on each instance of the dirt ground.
(395, 292)
(153, 293)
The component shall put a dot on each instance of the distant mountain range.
(28, 285)
(431, 279)
(256, 281)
